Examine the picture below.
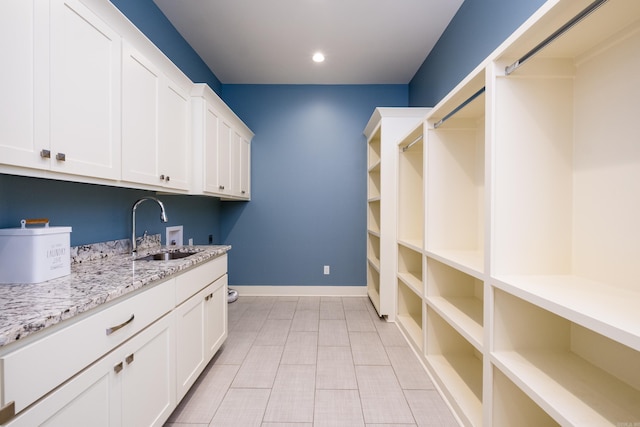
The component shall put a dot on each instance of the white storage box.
(34, 255)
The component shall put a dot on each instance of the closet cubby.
(455, 178)
(411, 189)
(374, 183)
(457, 367)
(373, 213)
(512, 407)
(577, 376)
(373, 282)
(409, 314)
(458, 298)
(373, 249)
(410, 268)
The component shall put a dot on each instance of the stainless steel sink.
(165, 256)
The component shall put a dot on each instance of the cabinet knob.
(118, 368)
(129, 359)
(168, 178)
(243, 192)
(45, 154)
(221, 187)
(61, 157)
(162, 177)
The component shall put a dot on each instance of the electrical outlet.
(327, 270)
(191, 242)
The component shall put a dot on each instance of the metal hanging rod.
(458, 108)
(560, 31)
(406, 147)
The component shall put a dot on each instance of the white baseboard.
(339, 291)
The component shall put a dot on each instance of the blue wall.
(151, 21)
(99, 213)
(308, 206)
(476, 30)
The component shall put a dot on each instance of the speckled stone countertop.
(97, 277)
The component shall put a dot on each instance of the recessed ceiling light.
(318, 57)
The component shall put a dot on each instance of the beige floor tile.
(283, 309)
(335, 369)
(390, 334)
(169, 424)
(367, 349)
(306, 320)
(389, 425)
(295, 377)
(252, 320)
(331, 308)
(273, 332)
(333, 333)
(381, 396)
(292, 396)
(235, 348)
(429, 409)
(287, 425)
(337, 408)
(409, 371)
(241, 407)
(301, 348)
(259, 367)
(359, 321)
(308, 303)
(355, 303)
(200, 403)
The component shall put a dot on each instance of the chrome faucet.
(163, 218)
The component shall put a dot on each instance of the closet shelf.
(469, 262)
(610, 311)
(571, 390)
(464, 314)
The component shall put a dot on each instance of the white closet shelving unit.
(518, 238)
(385, 127)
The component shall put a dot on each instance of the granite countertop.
(29, 308)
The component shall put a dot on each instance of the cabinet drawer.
(32, 371)
(194, 280)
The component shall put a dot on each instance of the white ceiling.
(272, 41)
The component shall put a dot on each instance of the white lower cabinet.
(157, 342)
(201, 329)
(131, 386)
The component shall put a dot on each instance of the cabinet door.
(85, 92)
(23, 38)
(175, 144)
(85, 400)
(148, 391)
(245, 168)
(140, 91)
(215, 315)
(190, 332)
(211, 133)
(236, 148)
(224, 157)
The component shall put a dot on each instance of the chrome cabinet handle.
(168, 178)
(129, 359)
(45, 154)
(61, 157)
(222, 187)
(118, 368)
(208, 297)
(162, 177)
(121, 325)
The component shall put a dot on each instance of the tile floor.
(312, 361)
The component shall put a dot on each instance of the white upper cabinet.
(18, 144)
(141, 81)
(85, 93)
(62, 87)
(155, 125)
(221, 147)
(175, 135)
